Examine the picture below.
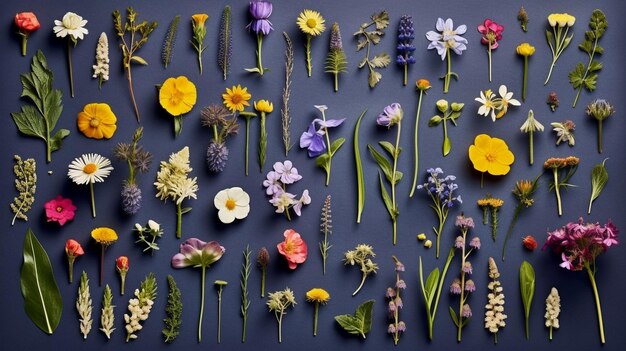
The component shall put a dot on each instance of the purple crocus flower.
(392, 115)
(288, 173)
(313, 140)
(197, 253)
(260, 11)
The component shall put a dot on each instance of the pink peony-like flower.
(492, 32)
(60, 210)
(293, 248)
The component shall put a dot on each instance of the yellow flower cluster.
(525, 49)
(561, 19)
(490, 202)
(104, 235)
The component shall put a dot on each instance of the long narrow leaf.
(383, 163)
(527, 289)
(42, 299)
(359, 170)
(599, 177)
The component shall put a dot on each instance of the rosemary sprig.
(284, 111)
(225, 47)
(326, 228)
(174, 311)
(245, 302)
(168, 42)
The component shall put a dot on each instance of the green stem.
(494, 223)
(262, 143)
(259, 54)
(93, 200)
(518, 209)
(360, 285)
(247, 141)
(557, 190)
(200, 59)
(525, 81)
(336, 82)
(328, 151)
(215, 135)
(531, 151)
(219, 315)
(308, 54)
(24, 41)
(596, 295)
(69, 62)
(550, 332)
(416, 144)
(317, 305)
(406, 74)
(489, 54)
(550, 72)
(179, 220)
(445, 136)
(462, 300)
(102, 248)
(280, 328)
(201, 304)
(132, 91)
(263, 269)
(600, 136)
(70, 262)
(446, 81)
(394, 181)
(123, 283)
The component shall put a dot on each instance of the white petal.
(502, 90)
(220, 199)
(514, 102)
(433, 36)
(440, 24)
(483, 111)
(461, 29)
(448, 25)
(241, 212)
(226, 216)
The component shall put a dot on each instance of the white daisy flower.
(89, 169)
(232, 203)
(71, 24)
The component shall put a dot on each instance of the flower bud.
(456, 106)
(529, 242)
(73, 248)
(428, 244)
(525, 49)
(122, 263)
(422, 84)
(154, 226)
(421, 236)
(27, 21)
(442, 105)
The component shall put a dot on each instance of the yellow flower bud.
(525, 49)
(442, 105)
(428, 244)
(421, 236)
(264, 106)
(199, 19)
(422, 84)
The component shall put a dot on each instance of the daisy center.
(311, 23)
(230, 204)
(90, 168)
(59, 209)
(236, 99)
(94, 123)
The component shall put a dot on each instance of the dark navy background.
(264, 228)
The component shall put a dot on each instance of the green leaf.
(359, 170)
(447, 146)
(323, 161)
(252, 70)
(374, 37)
(383, 163)
(527, 289)
(381, 19)
(431, 285)
(455, 319)
(576, 76)
(178, 125)
(361, 322)
(598, 23)
(173, 310)
(139, 60)
(336, 145)
(398, 177)
(185, 210)
(29, 123)
(336, 62)
(373, 78)
(389, 148)
(42, 299)
(595, 66)
(225, 47)
(599, 177)
(359, 46)
(550, 39)
(386, 198)
(57, 139)
(380, 60)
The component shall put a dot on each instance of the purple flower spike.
(197, 253)
(260, 11)
(313, 140)
(391, 115)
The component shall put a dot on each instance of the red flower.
(122, 263)
(26, 21)
(73, 250)
(492, 32)
(60, 210)
(293, 248)
(529, 242)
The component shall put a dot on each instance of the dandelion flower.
(236, 98)
(105, 237)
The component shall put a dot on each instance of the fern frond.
(336, 62)
(168, 42)
(225, 47)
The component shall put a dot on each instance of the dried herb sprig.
(562, 169)
(225, 46)
(107, 317)
(336, 62)
(361, 256)
(586, 77)
(174, 311)
(326, 227)
(137, 34)
(168, 42)
(243, 282)
(84, 305)
(599, 177)
(278, 302)
(262, 260)
(366, 38)
(522, 17)
(26, 185)
(284, 111)
(553, 309)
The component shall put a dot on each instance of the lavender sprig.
(225, 47)
(406, 34)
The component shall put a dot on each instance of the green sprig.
(366, 38)
(431, 290)
(449, 114)
(168, 42)
(359, 169)
(26, 185)
(326, 229)
(243, 282)
(174, 311)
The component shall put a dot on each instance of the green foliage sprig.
(360, 181)
(431, 290)
(524, 191)
(174, 311)
(361, 256)
(336, 62)
(243, 282)
(168, 42)
(284, 110)
(527, 290)
(599, 177)
(366, 38)
(586, 77)
(451, 114)
(361, 322)
(225, 47)
(39, 119)
(137, 34)
(26, 185)
(326, 227)
(107, 317)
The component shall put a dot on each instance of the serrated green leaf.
(599, 50)
(374, 38)
(381, 60)
(29, 123)
(336, 62)
(591, 81)
(381, 19)
(168, 42)
(56, 141)
(599, 178)
(42, 300)
(336, 145)
(361, 43)
(373, 78)
(139, 60)
(595, 66)
(359, 169)
(383, 163)
(361, 322)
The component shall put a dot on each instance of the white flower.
(531, 124)
(154, 226)
(506, 99)
(89, 169)
(553, 309)
(232, 203)
(488, 105)
(101, 68)
(72, 24)
(447, 38)
(564, 132)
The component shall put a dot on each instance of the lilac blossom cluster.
(580, 243)
(395, 303)
(275, 185)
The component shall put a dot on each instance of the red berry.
(529, 242)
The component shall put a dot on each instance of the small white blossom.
(553, 309)
(101, 68)
(494, 309)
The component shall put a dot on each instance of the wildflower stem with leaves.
(562, 170)
(422, 85)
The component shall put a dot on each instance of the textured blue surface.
(264, 228)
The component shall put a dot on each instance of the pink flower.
(60, 210)
(293, 248)
(492, 32)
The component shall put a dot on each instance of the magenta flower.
(492, 32)
(60, 210)
(197, 253)
(579, 245)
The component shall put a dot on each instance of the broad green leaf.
(57, 139)
(29, 123)
(383, 163)
(386, 198)
(380, 60)
(387, 146)
(139, 60)
(527, 289)
(336, 145)
(599, 177)
(431, 285)
(455, 319)
(361, 322)
(42, 299)
(447, 146)
(323, 161)
(359, 169)
(373, 78)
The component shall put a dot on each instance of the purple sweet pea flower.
(288, 173)
(313, 140)
(197, 253)
(260, 11)
(392, 115)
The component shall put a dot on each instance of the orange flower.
(97, 121)
(491, 155)
(293, 248)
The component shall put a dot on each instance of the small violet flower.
(391, 115)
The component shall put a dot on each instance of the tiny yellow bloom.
(421, 236)
(525, 49)
(422, 84)
(199, 19)
(264, 106)
(311, 22)
(236, 98)
(104, 235)
(428, 244)
(317, 295)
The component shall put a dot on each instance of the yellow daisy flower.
(236, 98)
(264, 106)
(311, 22)
(317, 295)
(97, 121)
(104, 235)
